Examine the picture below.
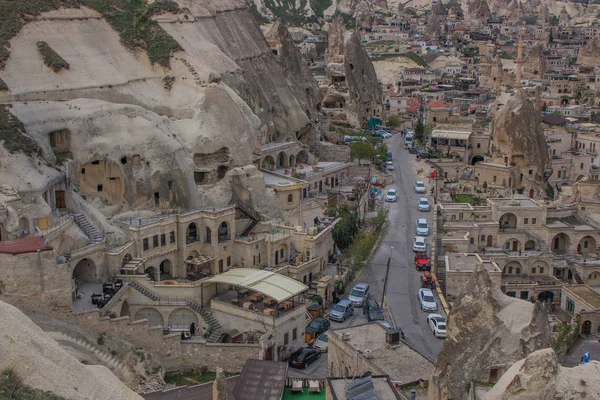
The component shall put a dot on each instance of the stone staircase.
(571, 260)
(216, 329)
(83, 221)
(249, 227)
(254, 216)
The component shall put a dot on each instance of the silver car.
(422, 227)
(420, 187)
(341, 311)
(427, 300)
(424, 204)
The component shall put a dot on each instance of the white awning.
(439, 134)
(200, 260)
(278, 287)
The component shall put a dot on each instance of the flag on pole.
(434, 174)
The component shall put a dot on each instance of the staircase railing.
(51, 232)
(84, 208)
(246, 209)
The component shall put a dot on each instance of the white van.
(408, 140)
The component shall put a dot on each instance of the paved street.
(404, 278)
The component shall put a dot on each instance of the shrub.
(12, 387)
(12, 132)
(51, 58)
(3, 86)
(361, 249)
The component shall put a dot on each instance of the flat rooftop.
(468, 262)
(22, 246)
(518, 203)
(381, 385)
(456, 206)
(402, 363)
(278, 180)
(585, 293)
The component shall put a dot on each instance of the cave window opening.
(112, 179)
(156, 199)
(123, 160)
(82, 171)
(199, 177)
(99, 187)
(170, 185)
(275, 52)
(221, 171)
(352, 66)
(493, 374)
(95, 162)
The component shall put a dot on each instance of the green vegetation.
(410, 55)
(62, 156)
(131, 18)
(394, 121)
(549, 191)
(567, 334)
(361, 249)
(415, 57)
(319, 6)
(12, 132)
(3, 85)
(13, 388)
(51, 58)
(293, 15)
(192, 378)
(505, 56)
(463, 198)
(349, 21)
(368, 150)
(345, 230)
(381, 43)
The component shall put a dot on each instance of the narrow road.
(404, 279)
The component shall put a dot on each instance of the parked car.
(389, 165)
(372, 310)
(414, 150)
(342, 311)
(419, 244)
(422, 227)
(358, 294)
(427, 300)
(322, 342)
(386, 135)
(303, 357)
(422, 262)
(317, 326)
(389, 155)
(424, 204)
(423, 154)
(437, 323)
(391, 195)
(420, 187)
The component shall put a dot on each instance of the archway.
(586, 327)
(334, 101)
(154, 317)
(302, 157)
(546, 297)
(191, 233)
(152, 273)
(125, 312)
(281, 253)
(208, 235)
(292, 160)
(85, 271)
(593, 279)
(587, 245)
(182, 317)
(508, 221)
(513, 268)
(490, 240)
(530, 245)
(282, 160)
(223, 232)
(165, 266)
(512, 245)
(561, 243)
(126, 259)
(268, 163)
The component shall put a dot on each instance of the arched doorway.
(268, 163)
(477, 159)
(125, 312)
(593, 279)
(508, 221)
(530, 245)
(546, 297)
(152, 273)
(85, 271)
(586, 327)
(282, 160)
(208, 235)
(126, 259)
(513, 268)
(182, 317)
(561, 243)
(165, 269)
(154, 317)
(512, 245)
(587, 245)
(223, 232)
(490, 241)
(292, 160)
(191, 233)
(302, 157)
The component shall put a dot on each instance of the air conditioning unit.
(345, 336)
(367, 353)
(392, 337)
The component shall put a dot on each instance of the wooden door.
(60, 199)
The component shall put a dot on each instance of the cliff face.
(590, 54)
(486, 329)
(517, 134)
(222, 93)
(43, 364)
(533, 64)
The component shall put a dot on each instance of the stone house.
(584, 301)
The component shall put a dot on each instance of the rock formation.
(517, 138)
(43, 364)
(487, 330)
(478, 10)
(219, 96)
(541, 377)
(533, 64)
(589, 55)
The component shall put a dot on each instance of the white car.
(437, 323)
(389, 165)
(420, 187)
(422, 227)
(427, 300)
(424, 204)
(419, 244)
(322, 342)
(391, 195)
(386, 135)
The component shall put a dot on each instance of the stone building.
(459, 266)
(584, 301)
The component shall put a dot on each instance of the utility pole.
(385, 281)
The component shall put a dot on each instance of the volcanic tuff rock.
(43, 364)
(486, 329)
(541, 377)
(224, 92)
(590, 54)
(517, 134)
(533, 64)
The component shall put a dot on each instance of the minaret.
(519, 62)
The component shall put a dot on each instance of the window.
(510, 270)
(524, 295)
(533, 270)
(570, 306)
(294, 334)
(585, 244)
(581, 165)
(286, 339)
(460, 216)
(290, 198)
(482, 238)
(82, 171)
(478, 145)
(172, 237)
(163, 240)
(220, 265)
(145, 241)
(511, 294)
(559, 173)
(518, 271)
(541, 270)
(155, 241)
(472, 240)
(99, 188)
(494, 180)
(453, 217)
(95, 162)
(526, 221)
(533, 221)
(530, 172)
(253, 260)
(229, 261)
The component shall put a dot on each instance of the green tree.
(420, 129)
(362, 150)
(345, 230)
(394, 121)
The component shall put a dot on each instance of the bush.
(12, 387)
(345, 230)
(361, 249)
(12, 132)
(379, 220)
(51, 58)
(3, 85)
(394, 121)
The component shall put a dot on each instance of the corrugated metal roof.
(261, 380)
(439, 134)
(276, 286)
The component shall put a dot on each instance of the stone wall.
(344, 361)
(326, 151)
